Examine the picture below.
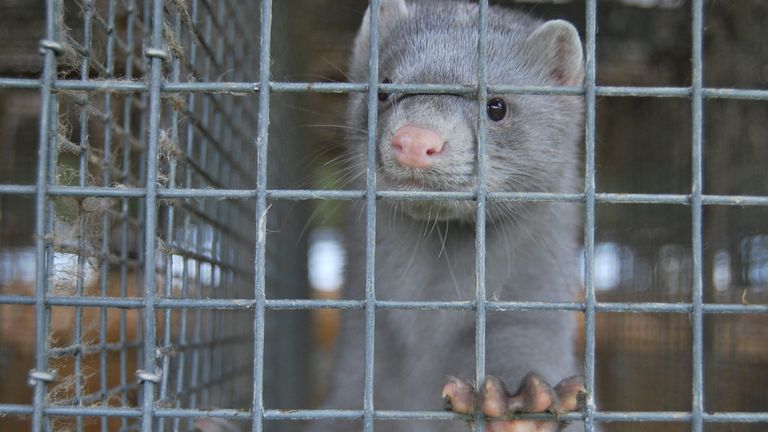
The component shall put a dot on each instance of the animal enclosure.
(165, 203)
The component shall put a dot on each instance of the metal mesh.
(152, 172)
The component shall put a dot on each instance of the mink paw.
(534, 395)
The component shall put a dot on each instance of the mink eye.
(496, 109)
(382, 95)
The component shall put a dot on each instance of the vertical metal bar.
(50, 215)
(261, 216)
(233, 55)
(125, 207)
(150, 216)
(105, 229)
(215, 333)
(208, 65)
(207, 339)
(41, 198)
(196, 339)
(216, 169)
(85, 67)
(146, 20)
(182, 361)
(170, 239)
(482, 131)
(589, 217)
(697, 316)
(191, 399)
(370, 219)
(143, 18)
(240, 279)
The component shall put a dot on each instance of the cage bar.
(370, 216)
(261, 216)
(589, 217)
(211, 168)
(697, 317)
(480, 202)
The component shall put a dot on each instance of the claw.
(495, 397)
(571, 393)
(459, 396)
(533, 395)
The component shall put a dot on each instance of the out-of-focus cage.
(142, 179)
(131, 309)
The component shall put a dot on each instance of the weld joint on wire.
(36, 376)
(156, 52)
(48, 44)
(145, 376)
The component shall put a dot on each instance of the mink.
(425, 250)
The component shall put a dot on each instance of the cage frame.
(156, 86)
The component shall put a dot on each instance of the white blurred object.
(664, 4)
(613, 264)
(721, 271)
(325, 259)
(17, 265)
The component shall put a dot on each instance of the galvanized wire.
(132, 86)
(41, 376)
(370, 215)
(325, 194)
(202, 325)
(296, 415)
(260, 217)
(589, 217)
(480, 202)
(697, 290)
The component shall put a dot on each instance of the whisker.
(334, 126)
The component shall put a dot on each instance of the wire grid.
(143, 248)
(213, 169)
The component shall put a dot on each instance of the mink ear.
(390, 11)
(556, 45)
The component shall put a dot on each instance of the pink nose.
(416, 147)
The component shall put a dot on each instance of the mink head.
(429, 141)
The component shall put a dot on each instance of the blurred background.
(642, 253)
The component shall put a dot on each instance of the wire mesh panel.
(168, 244)
(134, 299)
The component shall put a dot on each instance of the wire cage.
(160, 289)
(169, 272)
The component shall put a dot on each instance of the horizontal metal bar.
(727, 93)
(88, 191)
(534, 197)
(683, 92)
(425, 305)
(302, 304)
(97, 396)
(622, 198)
(133, 302)
(734, 200)
(277, 414)
(178, 250)
(88, 349)
(614, 307)
(329, 194)
(19, 83)
(661, 416)
(298, 195)
(322, 87)
(11, 189)
(660, 92)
